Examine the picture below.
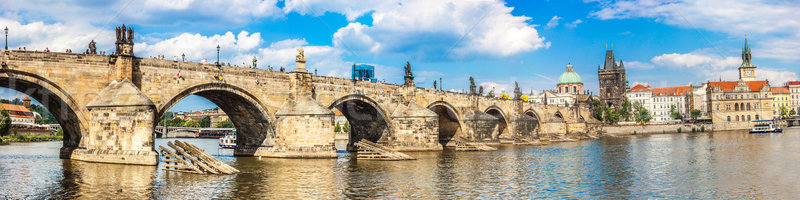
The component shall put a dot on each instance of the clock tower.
(747, 71)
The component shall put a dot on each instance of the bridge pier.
(479, 126)
(120, 127)
(416, 128)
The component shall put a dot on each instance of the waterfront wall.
(654, 128)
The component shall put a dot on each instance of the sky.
(662, 43)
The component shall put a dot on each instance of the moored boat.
(227, 141)
(765, 126)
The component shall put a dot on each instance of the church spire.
(746, 56)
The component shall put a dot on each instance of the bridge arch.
(449, 121)
(63, 106)
(368, 120)
(502, 120)
(252, 119)
(537, 120)
(559, 116)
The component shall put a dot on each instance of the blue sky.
(663, 43)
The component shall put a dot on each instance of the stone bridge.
(108, 106)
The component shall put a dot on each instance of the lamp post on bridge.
(6, 29)
(218, 56)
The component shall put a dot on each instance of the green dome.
(569, 77)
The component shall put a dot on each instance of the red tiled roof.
(18, 111)
(728, 86)
(337, 112)
(780, 90)
(671, 91)
(639, 88)
(793, 83)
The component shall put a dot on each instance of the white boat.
(227, 141)
(765, 126)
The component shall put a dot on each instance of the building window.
(737, 118)
(756, 117)
(729, 118)
(736, 107)
(575, 89)
(748, 117)
(748, 107)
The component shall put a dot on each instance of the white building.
(553, 98)
(659, 101)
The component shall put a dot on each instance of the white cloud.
(575, 23)
(441, 29)
(553, 22)
(639, 65)
(149, 12)
(498, 88)
(775, 24)
(695, 60)
(351, 9)
(197, 46)
(57, 37)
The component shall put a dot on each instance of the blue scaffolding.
(364, 72)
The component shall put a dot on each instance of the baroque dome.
(569, 77)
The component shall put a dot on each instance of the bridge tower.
(120, 116)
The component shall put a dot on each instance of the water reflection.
(702, 165)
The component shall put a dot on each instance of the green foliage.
(694, 130)
(702, 129)
(16, 101)
(625, 112)
(491, 93)
(191, 123)
(337, 128)
(172, 122)
(31, 138)
(205, 122)
(597, 109)
(611, 116)
(679, 129)
(225, 124)
(784, 111)
(47, 117)
(674, 113)
(695, 114)
(792, 112)
(60, 132)
(346, 127)
(5, 122)
(642, 115)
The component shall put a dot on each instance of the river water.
(692, 165)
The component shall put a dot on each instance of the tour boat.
(228, 141)
(766, 126)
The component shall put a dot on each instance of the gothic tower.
(612, 81)
(747, 71)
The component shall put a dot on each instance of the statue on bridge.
(480, 91)
(517, 93)
(301, 57)
(472, 86)
(124, 41)
(434, 85)
(409, 77)
(92, 47)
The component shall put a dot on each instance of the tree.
(611, 116)
(491, 93)
(597, 109)
(524, 98)
(346, 127)
(5, 122)
(674, 113)
(225, 124)
(792, 112)
(16, 101)
(205, 122)
(191, 123)
(60, 132)
(337, 128)
(696, 114)
(47, 117)
(784, 111)
(39, 120)
(625, 112)
(642, 115)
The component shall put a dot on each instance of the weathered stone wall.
(655, 129)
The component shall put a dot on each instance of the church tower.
(747, 71)
(612, 81)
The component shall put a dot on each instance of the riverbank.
(30, 138)
(621, 130)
